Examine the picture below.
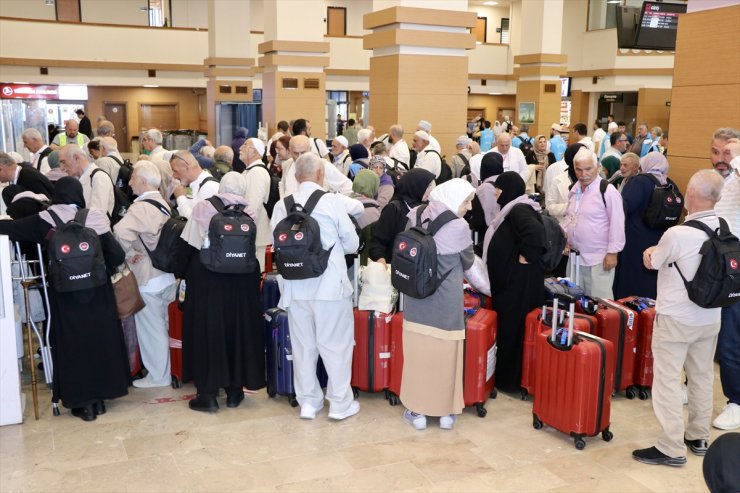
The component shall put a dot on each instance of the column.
(228, 68)
(293, 57)
(419, 67)
(540, 64)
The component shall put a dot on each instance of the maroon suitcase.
(645, 308)
(394, 383)
(371, 354)
(174, 313)
(534, 324)
(574, 381)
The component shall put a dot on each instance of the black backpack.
(76, 259)
(299, 253)
(665, 205)
(414, 263)
(229, 247)
(163, 255)
(124, 176)
(527, 149)
(412, 158)
(445, 172)
(42, 155)
(121, 202)
(555, 242)
(466, 168)
(716, 283)
(394, 172)
(274, 195)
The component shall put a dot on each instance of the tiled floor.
(151, 441)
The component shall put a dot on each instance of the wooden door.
(116, 114)
(480, 29)
(336, 21)
(163, 116)
(68, 10)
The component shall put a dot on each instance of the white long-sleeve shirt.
(334, 180)
(400, 152)
(200, 191)
(429, 160)
(728, 207)
(258, 192)
(97, 190)
(556, 197)
(514, 161)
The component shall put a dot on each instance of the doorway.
(336, 21)
(116, 114)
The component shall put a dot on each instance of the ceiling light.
(490, 3)
(495, 93)
(150, 85)
(614, 1)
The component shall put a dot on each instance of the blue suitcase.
(270, 291)
(279, 357)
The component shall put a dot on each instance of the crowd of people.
(497, 189)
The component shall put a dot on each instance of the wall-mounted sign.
(28, 91)
(612, 98)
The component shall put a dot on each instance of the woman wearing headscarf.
(434, 327)
(544, 159)
(239, 138)
(56, 172)
(87, 346)
(386, 188)
(365, 188)
(485, 206)
(515, 242)
(222, 337)
(631, 277)
(20, 203)
(411, 190)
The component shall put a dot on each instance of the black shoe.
(85, 413)
(99, 407)
(203, 403)
(234, 399)
(655, 457)
(697, 447)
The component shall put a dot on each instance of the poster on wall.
(526, 113)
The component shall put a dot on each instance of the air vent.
(224, 89)
(550, 88)
(152, 73)
(44, 70)
(310, 83)
(242, 89)
(290, 83)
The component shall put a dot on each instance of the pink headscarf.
(656, 164)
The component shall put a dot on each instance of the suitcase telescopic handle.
(571, 315)
(575, 266)
(356, 281)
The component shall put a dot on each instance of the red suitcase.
(473, 299)
(175, 320)
(269, 252)
(574, 382)
(371, 354)
(645, 308)
(394, 384)
(534, 325)
(480, 359)
(617, 324)
(128, 325)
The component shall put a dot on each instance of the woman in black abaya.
(87, 346)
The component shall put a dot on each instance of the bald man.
(71, 135)
(334, 180)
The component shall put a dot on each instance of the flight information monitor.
(658, 25)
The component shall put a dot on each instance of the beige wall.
(116, 12)
(191, 13)
(494, 16)
(651, 107)
(187, 100)
(491, 103)
(27, 9)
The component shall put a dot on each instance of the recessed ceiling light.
(490, 3)
(150, 85)
(495, 93)
(614, 1)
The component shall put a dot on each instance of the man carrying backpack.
(258, 192)
(201, 185)
(320, 308)
(97, 188)
(138, 232)
(684, 334)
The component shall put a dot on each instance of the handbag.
(126, 291)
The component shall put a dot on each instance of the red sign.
(28, 91)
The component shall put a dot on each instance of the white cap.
(425, 126)
(612, 127)
(342, 140)
(422, 135)
(463, 140)
(16, 157)
(556, 126)
(258, 145)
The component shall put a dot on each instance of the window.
(480, 29)
(342, 99)
(336, 21)
(156, 13)
(505, 34)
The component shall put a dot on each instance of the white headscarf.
(233, 182)
(452, 193)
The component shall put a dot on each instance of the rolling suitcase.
(128, 325)
(568, 285)
(645, 308)
(270, 291)
(269, 263)
(617, 323)
(534, 324)
(279, 357)
(574, 376)
(174, 313)
(396, 362)
(473, 299)
(479, 359)
(372, 352)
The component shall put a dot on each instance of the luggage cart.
(32, 275)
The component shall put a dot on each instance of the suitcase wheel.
(644, 394)
(481, 410)
(356, 392)
(393, 399)
(607, 435)
(524, 393)
(271, 393)
(630, 393)
(580, 443)
(176, 384)
(494, 394)
(536, 422)
(293, 402)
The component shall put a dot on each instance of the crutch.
(46, 348)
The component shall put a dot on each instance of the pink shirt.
(594, 230)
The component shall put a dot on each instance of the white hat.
(16, 157)
(612, 127)
(425, 125)
(422, 135)
(462, 141)
(555, 126)
(258, 145)
(342, 140)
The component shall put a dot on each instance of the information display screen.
(658, 25)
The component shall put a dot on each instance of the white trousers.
(324, 328)
(152, 329)
(595, 281)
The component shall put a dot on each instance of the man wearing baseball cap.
(258, 192)
(557, 144)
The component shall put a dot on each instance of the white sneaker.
(447, 422)
(685, 394)
(418, 421)
(309, 412)
(145, 383)
(729, 419)
(353, 409)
